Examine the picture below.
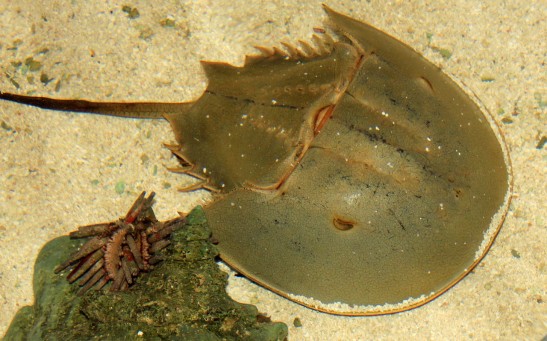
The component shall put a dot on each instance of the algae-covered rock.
(183, 298)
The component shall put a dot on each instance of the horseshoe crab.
(351, 176)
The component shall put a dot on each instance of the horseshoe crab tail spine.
(143, 110)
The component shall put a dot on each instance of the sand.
(60, 170)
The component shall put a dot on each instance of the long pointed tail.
(131, 110)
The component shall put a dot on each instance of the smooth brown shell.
(398, 196)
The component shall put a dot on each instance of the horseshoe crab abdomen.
(253, 124)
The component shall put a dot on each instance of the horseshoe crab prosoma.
(353, 177)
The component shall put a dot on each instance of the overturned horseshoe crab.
(352, 176)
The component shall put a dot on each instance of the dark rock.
(184, 297)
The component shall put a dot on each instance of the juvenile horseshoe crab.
(351, 176)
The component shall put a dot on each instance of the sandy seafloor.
(59, 170)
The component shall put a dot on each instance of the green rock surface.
(183, 298)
